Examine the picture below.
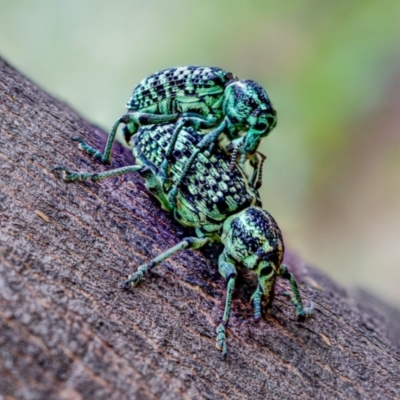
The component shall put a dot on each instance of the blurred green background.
(331, 68)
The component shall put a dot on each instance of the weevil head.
(248, 107)
(253, 239)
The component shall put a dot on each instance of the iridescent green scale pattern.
(254, 229)
(210, 187)
(190, 81)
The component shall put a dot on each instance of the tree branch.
(68, 330)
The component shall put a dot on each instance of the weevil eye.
(266, 271)
(260, 126)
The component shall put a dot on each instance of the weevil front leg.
(302, 312)
(228, 271)
(133, 120)
(257, 162)
(209, 139)
(188, 243)
(196, 121)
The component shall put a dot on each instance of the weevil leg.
(143, 118)
(212, 137)
(72, 176)
(187, 119)
(155, 187)
(132, 119)
(228, 271)
(187, 243)
(257, 162)
(105, 157)
(302, 312)
(203, 144)
(128, 130)
(152, 183)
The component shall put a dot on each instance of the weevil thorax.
(252, 238)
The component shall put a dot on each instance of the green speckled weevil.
(222, 207)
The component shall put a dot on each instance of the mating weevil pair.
(204, 97)
(220, 203)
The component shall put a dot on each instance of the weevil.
(222, 207)
(206, 97)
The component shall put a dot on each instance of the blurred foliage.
(332, 70)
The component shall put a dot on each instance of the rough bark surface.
(69, 331)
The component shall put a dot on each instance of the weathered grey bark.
(68, 330)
